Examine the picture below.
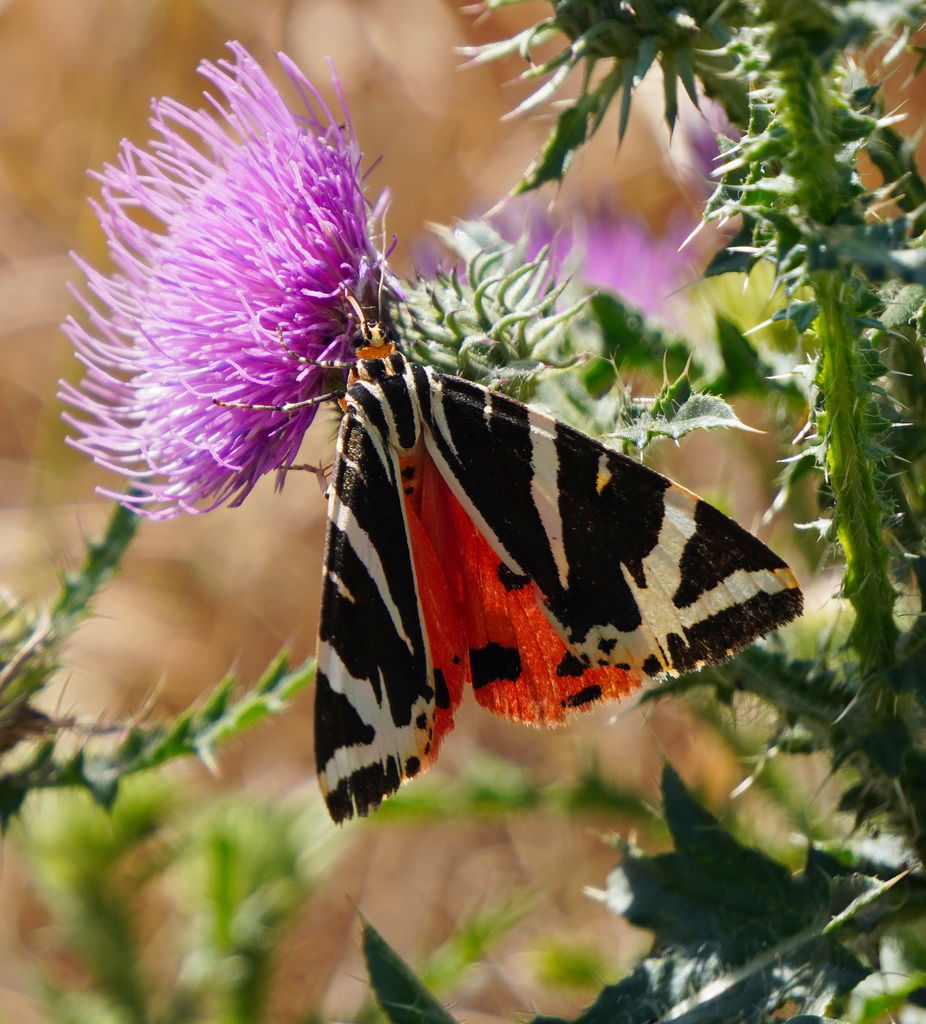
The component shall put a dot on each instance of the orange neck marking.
(383, 351)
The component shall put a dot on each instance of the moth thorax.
(372, 352)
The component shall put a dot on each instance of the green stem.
(101, 562)
(827, 189)
(844, 384)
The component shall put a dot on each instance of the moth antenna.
(358, 312)
(382, 272)
(332, 396)
(293, 352)
(328, 364)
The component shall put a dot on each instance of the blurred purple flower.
(698, 143)
(622, 255)
(263, 230)
(613, 251)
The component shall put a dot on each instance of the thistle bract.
(262, 230)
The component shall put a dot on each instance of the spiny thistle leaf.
(792, 177)
(799, 689)
(895, 158)
(675, 412)
(197, 731)
(689, 39)
(29, 641)
(100, 563)
(749, 933)
(740, 938)
(26, 661)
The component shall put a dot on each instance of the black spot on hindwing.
(587, 696)
(441, 693)
(570, 666)
(493, 664)
(653, 666)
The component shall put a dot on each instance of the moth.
(472, 540)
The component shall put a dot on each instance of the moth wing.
(377, 720)
(519, 666)
(632, 570)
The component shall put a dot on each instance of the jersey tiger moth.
(472, 538)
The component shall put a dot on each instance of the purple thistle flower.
(262, 236)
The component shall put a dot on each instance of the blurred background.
(200, 596)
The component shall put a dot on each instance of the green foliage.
(99, 767)
(231, 877)
(715, 899)
(572, 967)
(708, 47)
(675, 412)
(691, 41)
(401, 995)
(30, 754)
(492, 788)
(30, 641)
(498, 324)
(733, 929)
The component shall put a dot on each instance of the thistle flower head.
(260, 230)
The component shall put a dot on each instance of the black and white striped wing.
(631, 569)
(374, 702)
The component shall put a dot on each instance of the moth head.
(373, 338)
